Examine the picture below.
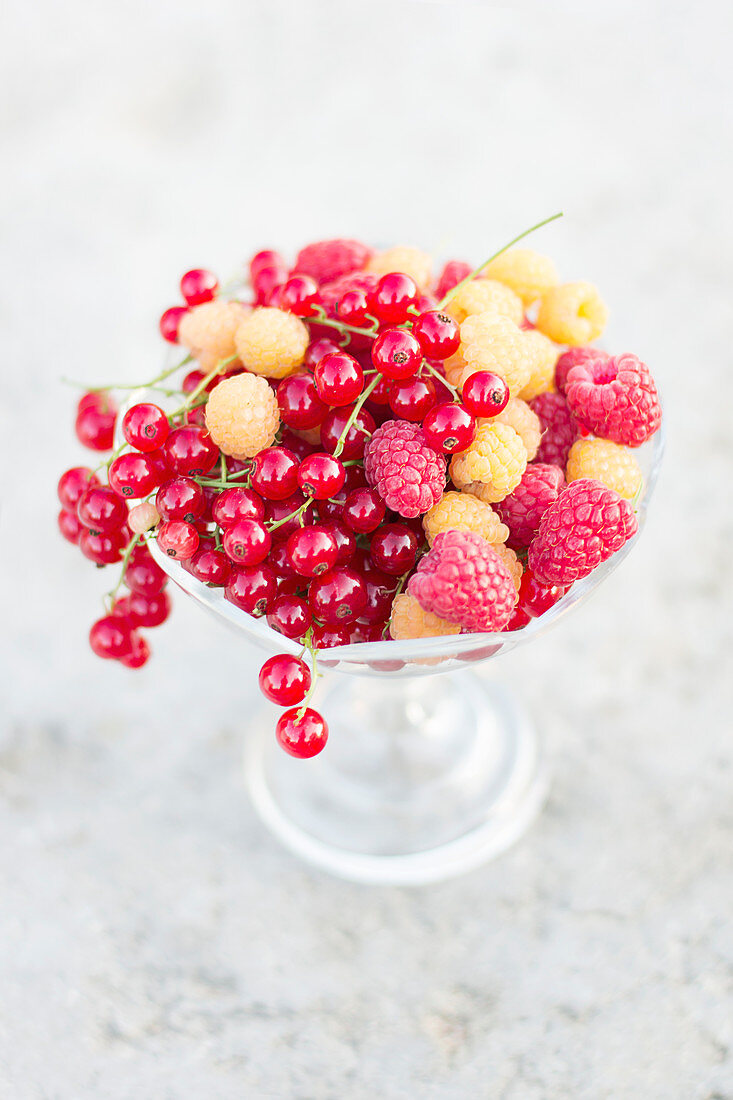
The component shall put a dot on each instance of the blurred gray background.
(155, 941)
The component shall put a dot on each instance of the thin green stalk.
(353, 415)
(123, 566)
(444, 380)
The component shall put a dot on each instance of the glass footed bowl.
(419, 780)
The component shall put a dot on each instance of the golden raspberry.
(527, 272)
(494, 343)
(497, 457)
(542, 379)
(511, 561)
(479, 490)
(454, 368)
(526, 423)
(464, 512)
(410, 261)
(482, 296)
(208, 331)
(272, 342)
(410, 621)
(602, 460)
(572, 313)
(242, 415)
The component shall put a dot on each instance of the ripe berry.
(302, 737)
(300, 405)
(312, 550)
(290, 616)
(285, 679)
(110, 637)
(485, 394)
(326, 637)
(356, 438)
(170, 321)
(412, 399)
(69, 526)
(190, 450)
(252, 588)
(353, 307)
(438, 334)
(345, 541)
(210, 566)
(178, 539)
(143, 574)
(392, 297)
(237, 503)
(180, 498)
(299, 295)
(148, 610)
(363, 510)
(267, 285)
(393, 548)
(103, 549)
(396, 353)
(72, 484)
(449, 427)
(282, 510)
(321, 476)
(263, 260)
(139, 653)
(198, 286)
(378, 602)
(338, 596)
(319, 348)
(339, 379)
(95, 421)
(274, 473)
(536, 598)
(380, 395)
(246, 542)
(134, 475)
(101, 509)
(145, 427)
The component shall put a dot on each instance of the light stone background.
(155, 941)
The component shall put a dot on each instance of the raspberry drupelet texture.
(406, 472)
(542, 379)
(464, 512)
(523, 509)
(462, 579)
(585, 525)
(497, 457)
(526, 423)
(616, 399)
(559, 428)
(410, 261)
(325, 261)
(271, 342)
(408, 620)
(208, 331)
(242, 415)
(485, 296)
(572, 313)
(494, 343)
(511, 561)
(610, 463)
(573, 357)
(528, 273)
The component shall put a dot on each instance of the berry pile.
(360, 447)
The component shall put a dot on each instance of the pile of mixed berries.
(360, 449)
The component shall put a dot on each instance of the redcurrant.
(178, 539)
(321, 476)
(300, 405)
(210, 566)
(170, 322)
(304, 736)
(363, 510)
(95, 421)
(180, 498)
(312, 550)
(110, 637)
(393, 548)
(101, 509)
(338, 596)
(190, 450)
(438, 334)
(285, 679)
(290, 615)
(139, 653)
(252, 588)
(485, 394)
(274, 473)
(246, 542)
(345, 541)
(148, 610)
(356, 438)
(396, 353)
(103, 549)
(412, 398)
(145, 427)
(237, 503)
(353, 307)
(392, 297)
(143, 574)
(199, 285)
(339, 379)
(299, 295)
(134, 475)
(69, 526)
(72, 484)
(449, 427)
(319, 348)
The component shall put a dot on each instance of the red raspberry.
(585, 525)
(559, 429)
(572, 358)
(404, 469)
(462, 579)
(454, 272)
(523, 509)
(328, 260)
(333, 292)
(616, 399)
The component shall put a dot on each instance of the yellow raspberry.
(482, 296)
(208, 331)
(528, 273)
(410, 261)
(511, 561)
(572, 313)
(525, 421)
(494, 343)
(479, 490)
(542, 379)
(602, 460)
(242, 415)
(454, 368)
(464, 512)
(410, 621)
(497, 457)
(272, 342)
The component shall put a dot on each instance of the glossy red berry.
(302, 737)
(261, 261)
(69, 526)
(339, 379)
(281, 513)
(95, 421)
(267, 285)
(101, 509)
(319, 348)
(396, 353)
(345, 541)
(312, 550)
(485, 394)
(353, 308)
(170, 322)
(145, 427)
(325, 636)
(381, 393)
(235, 504)
(449, 427)
(536, 598)
(274, 473)
(289, 615)
(412, 399)
(72, 484)
(134, 475)
(321, 476)
(379, 600)
(363, 510)
(393, 548)
(180, 498)
(178, 539)
(337, 597)
(210, 566)
(252, 588)
(148, 610)
(110, 637)
(438, 334)
(392, 297)
(246, 542)
(299, 295)
(143, 574)
(190, 450)
(285, 679)
(199, 285)
(139, 653)
(356, 438)
(103, 549)
(300, 406)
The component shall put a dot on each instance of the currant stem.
(297, 514)
(322, 318)
(444, 380)
(134, 386)
(316, 675)
(353, 415)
